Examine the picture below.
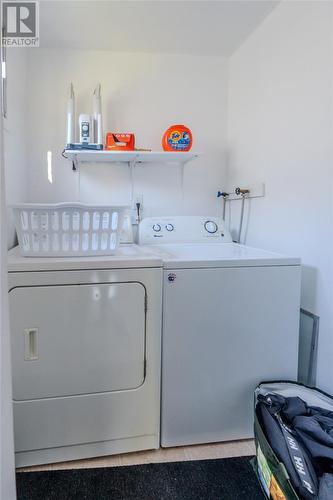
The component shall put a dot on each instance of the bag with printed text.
(293, 427)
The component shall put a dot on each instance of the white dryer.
(85, 339)
(230, 321)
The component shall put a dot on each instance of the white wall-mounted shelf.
(129, 157)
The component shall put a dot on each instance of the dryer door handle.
(31, 344)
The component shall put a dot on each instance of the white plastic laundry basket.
(68, 229)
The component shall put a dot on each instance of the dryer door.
(77, 339)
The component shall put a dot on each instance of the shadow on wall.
(11, 233)
(233, 219)
(309, 292)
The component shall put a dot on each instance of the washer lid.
(196, 255)
(127, 257)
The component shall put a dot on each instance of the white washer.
(230, 321)
(85, 335)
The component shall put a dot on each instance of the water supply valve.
(241, 191)
(222, 193)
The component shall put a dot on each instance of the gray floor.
(197, 452)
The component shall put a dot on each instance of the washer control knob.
(211, 227)
(157, 228)
(169, 227)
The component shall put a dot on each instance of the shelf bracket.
(75, 166)
(190, 159)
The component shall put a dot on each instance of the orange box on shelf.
(119, 142)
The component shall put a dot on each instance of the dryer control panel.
(183, 229)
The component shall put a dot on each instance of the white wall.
(7, 468)
(280, 133)
(15, 140)
(279, 108)
(144, 94)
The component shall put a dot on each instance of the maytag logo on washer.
(20, 23)
(171, 277)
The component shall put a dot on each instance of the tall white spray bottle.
(71, 117)
(97, 115)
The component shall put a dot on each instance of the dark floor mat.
(223, 479)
